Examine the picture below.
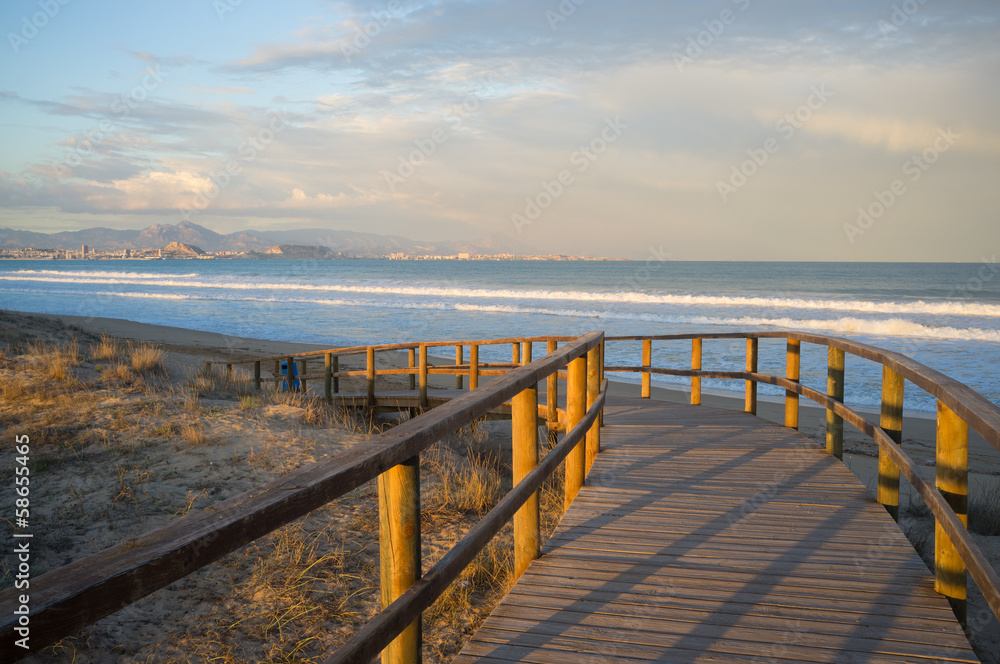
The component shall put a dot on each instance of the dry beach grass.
(126, 436)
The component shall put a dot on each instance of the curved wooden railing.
(959, 408)
(71, 597)
(418, 371)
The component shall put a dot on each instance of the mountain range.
(160, 235)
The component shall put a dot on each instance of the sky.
(719, 130)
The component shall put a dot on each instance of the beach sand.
(246, 451)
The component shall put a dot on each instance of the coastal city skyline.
(732, 130)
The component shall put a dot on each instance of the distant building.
(83, 251)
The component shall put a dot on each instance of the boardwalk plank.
(708, 536)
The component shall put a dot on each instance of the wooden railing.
(958, 408)
(71, 597)
(418, 370)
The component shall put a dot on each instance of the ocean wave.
(196, 281)
(100, 273)
(886, 327)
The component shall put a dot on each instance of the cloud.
(894, 134)
(299, 199)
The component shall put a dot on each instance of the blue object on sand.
(284, 372)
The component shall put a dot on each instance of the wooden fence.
(73, 596)
(958, 408)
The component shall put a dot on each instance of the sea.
(946, 315)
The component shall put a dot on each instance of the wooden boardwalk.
(706, 535)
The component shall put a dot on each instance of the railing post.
(952, 480)
(336, 371)
(696, 366)
(600, 381)
(647, 362)
(411, 354)
(516, 352)
(552, 397)
(302, 376)
(277, 375)
(593, 390)
(289, 371)
(527, 525)
(576, 407)
(459, 361)
(793, 372)
(399, 550)
(751, 389)
(526, 353)
(256, 375)
(835, 390)
(892, 423)
(370, 376)
(473, 366)
(423, 376)
(328, 377)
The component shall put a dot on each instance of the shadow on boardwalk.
(706, 535)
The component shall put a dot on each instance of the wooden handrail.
(359, 350)
(381, 629)
(982, 415)
(80, 593)
(959, 407)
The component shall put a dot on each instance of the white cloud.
(894, 134)
(155, 190)
(299, 199)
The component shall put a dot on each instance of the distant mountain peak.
(183, 249)
(339, 242)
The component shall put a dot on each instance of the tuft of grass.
(147, 359)
(193, 434)
(471, 486)
(249, 402)
(984, 510)
(12, 389)
(107, 350)
(217, 383)
(167, 429)
(56, 360)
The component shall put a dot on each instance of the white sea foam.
(197, 281)
(884, 327)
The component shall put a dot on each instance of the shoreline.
(919, 429)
